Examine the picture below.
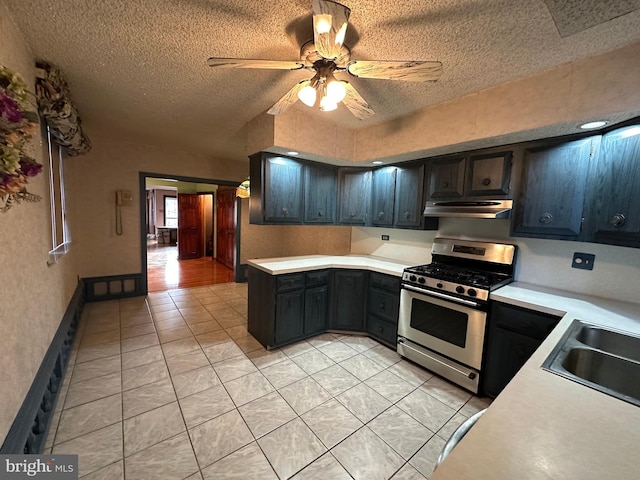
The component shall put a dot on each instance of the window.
(60, 237)
(170, 211)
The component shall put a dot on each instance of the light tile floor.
(171, 386)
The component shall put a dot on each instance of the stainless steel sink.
(610, 341)
(597, 357)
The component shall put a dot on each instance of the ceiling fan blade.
(409, 71)
(288, 99)
(355, 103)
(248, 63)
(330, 21)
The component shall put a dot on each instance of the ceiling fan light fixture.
(326, 105)
(336, 91)
(322, 23)
(342, 32)
(308, 96)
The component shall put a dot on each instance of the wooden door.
(354, 196)
(190, 236)
(226, 226)
(409, 191)
(446, 178)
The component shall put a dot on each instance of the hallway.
(165, 271)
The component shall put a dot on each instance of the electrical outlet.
(385, 237)
(583, 260)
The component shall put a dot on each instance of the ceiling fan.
(326, 55)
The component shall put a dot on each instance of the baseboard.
(113, 287)
(29, 430)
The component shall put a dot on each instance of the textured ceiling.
(140, 65)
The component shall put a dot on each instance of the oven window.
(440, 322)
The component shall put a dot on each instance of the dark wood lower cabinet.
(514, 334)
(287, 308)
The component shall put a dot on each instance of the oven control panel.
(419, 281)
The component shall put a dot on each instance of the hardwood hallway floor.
(165, 271)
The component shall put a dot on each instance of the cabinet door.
(489, 175)
(316, 303)
(383, 193)
(289, 322)
(446, 178)
(552, 190)
(348, 300)
(613, 205)
(409, 193)
(321, 191)
(508, 352)
(354, 196)
(282, 190)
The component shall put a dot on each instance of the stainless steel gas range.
(444, 306)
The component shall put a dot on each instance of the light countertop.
(543, 426)
(282, 265)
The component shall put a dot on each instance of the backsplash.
(541, 262)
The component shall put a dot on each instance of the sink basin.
(603, 359)
(610, 341)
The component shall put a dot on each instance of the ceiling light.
(336, 91)
(377, 162)
(326, 105)
(293, 154)
(322, 23)
(308, 96)
(592, 125)
(244, 189)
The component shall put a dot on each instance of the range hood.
(469, 208)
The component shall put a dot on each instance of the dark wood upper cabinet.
(473, 175)
(321, 192)
(354, 185)
(409, 194)
(489, 175)
(446, 178)
(282, 190)
(383, 196)
(612, 213)
(552, 190)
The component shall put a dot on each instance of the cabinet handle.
(407, 215)
(381, 306)
(381, 215)
(617, 220)
(352, 214)
(380, 329)
(320, 213)
(285, 211)
(486, 181)
(445, 184)
(546, 218)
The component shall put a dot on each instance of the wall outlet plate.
(385, 237)
(583, 261)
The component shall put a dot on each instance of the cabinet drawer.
(289, 282)
(383, 304)
(321, 277)
(385, 331)
(529, 323)
(385, 282)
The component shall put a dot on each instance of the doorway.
(179, 251)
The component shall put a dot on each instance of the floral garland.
(17, 125)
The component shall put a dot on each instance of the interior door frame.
(143, 232)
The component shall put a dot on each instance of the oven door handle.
(470, 375)
(441, 295)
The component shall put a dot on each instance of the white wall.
(33, 296)
(615, 275)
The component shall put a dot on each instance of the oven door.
(452, 327)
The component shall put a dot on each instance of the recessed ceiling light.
(592, 125)
(293, 153)
(377, 162)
